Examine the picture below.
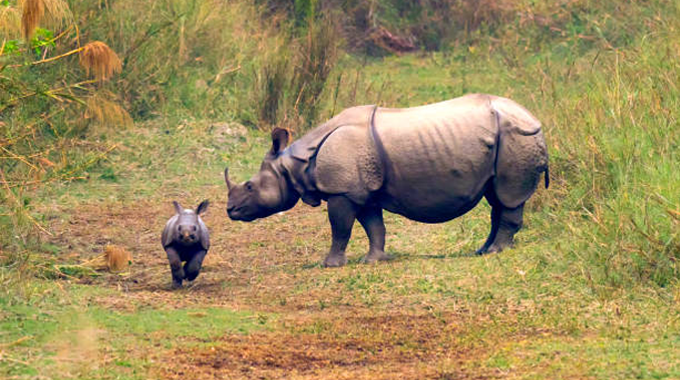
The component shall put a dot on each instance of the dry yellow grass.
(10, 22)
(98, 57)
(32, 13)
(35, 12)
(117, 258)
(57, 12)
(105, 111)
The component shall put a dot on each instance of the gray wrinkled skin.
(185, 239)
(431, 164)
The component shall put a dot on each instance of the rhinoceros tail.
(546, 176)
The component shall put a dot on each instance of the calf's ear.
(178, 207)
(202, 207)
(280, 138)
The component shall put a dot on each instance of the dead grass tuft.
(57, 13)
(10, 22)
(52, 12)
(32, 13)
(117, 258)
(99, 58)
(106, 112)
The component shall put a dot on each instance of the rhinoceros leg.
(495, 219)
(341, 213)
(505, 222)
(175, 267)
(510, 222)
(193, 267)
(371, 219)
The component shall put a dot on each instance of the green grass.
(38, 336)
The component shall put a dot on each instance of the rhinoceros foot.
(332, 261)
(375, 256)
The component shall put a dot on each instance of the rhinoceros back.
(439, 157)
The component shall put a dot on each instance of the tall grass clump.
(294, 76)
(183, 57)
(609, 115)
(274, 81)
(317, 57)
(621, 137)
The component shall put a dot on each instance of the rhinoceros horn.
(226, 178)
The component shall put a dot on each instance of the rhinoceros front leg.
(341, 214)
(371, 219)
(175, 267)
(193, 267)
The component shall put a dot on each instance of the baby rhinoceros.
(185, 239)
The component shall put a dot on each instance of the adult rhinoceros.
(431, 164)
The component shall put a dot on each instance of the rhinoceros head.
(186, 226)
(268, 191)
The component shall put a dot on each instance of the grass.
(65, 332)
(590, 291)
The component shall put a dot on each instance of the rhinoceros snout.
(232, 212)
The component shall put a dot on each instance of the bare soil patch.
(388, 346)
(245, 262)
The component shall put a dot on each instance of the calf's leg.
(175, 267)
(193, 266)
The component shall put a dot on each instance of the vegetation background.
(110, 109)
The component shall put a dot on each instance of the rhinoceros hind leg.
(505, 222)
(509, 222)
(495, 219)
(371, 219)
(341, 214)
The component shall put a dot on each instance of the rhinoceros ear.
(178, 207)
(202, 207)
(279, 140)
